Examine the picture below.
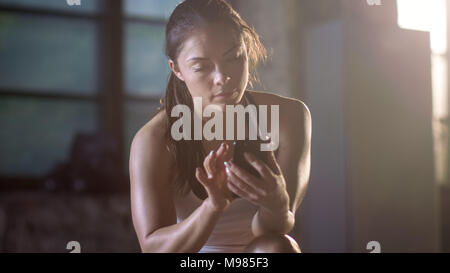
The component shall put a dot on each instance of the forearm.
(265, 221)
(188, 235)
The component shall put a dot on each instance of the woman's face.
(214, 65)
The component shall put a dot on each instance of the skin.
(210, 66)
(214, 59)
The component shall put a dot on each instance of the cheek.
(197, 85)
(241, 73)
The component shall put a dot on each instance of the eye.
(200, 68)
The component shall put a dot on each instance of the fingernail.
(210, 153)
(227, 170)
(227, 164)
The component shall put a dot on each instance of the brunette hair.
(189, 154)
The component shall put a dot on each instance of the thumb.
(201, 176)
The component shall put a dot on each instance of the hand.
(268, 192)
(214, 179)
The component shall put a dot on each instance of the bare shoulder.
(150, 179)
(149, 146)
(289, 107)
(154, 130)
(294, 122)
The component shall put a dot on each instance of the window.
(431, 16)
(59, 76)
(146, 67)
(48, 82)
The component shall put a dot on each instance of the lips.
(222, 94)
(231, 94)
(219, 93)
(227, 95)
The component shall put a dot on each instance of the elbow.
(145, 248)
(155, 243)
(145, 244)
(148, 244)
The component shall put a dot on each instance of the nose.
(220, 78)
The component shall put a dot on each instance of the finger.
(261, 167)
(201, 177)
(250, 187)
(207, 164)
(221, 149)
(239, 192)
(221, 156)
(222, 152)
(235, 190)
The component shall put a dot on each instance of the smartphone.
(249, 146)
(253, 147)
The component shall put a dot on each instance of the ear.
(175, 69)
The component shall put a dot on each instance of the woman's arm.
(294, 159)
(283, 180)
(153, 210)
(294, 156)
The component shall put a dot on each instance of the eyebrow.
(203, 58)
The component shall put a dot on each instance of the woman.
(186, 200)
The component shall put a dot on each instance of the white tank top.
(232, 232)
